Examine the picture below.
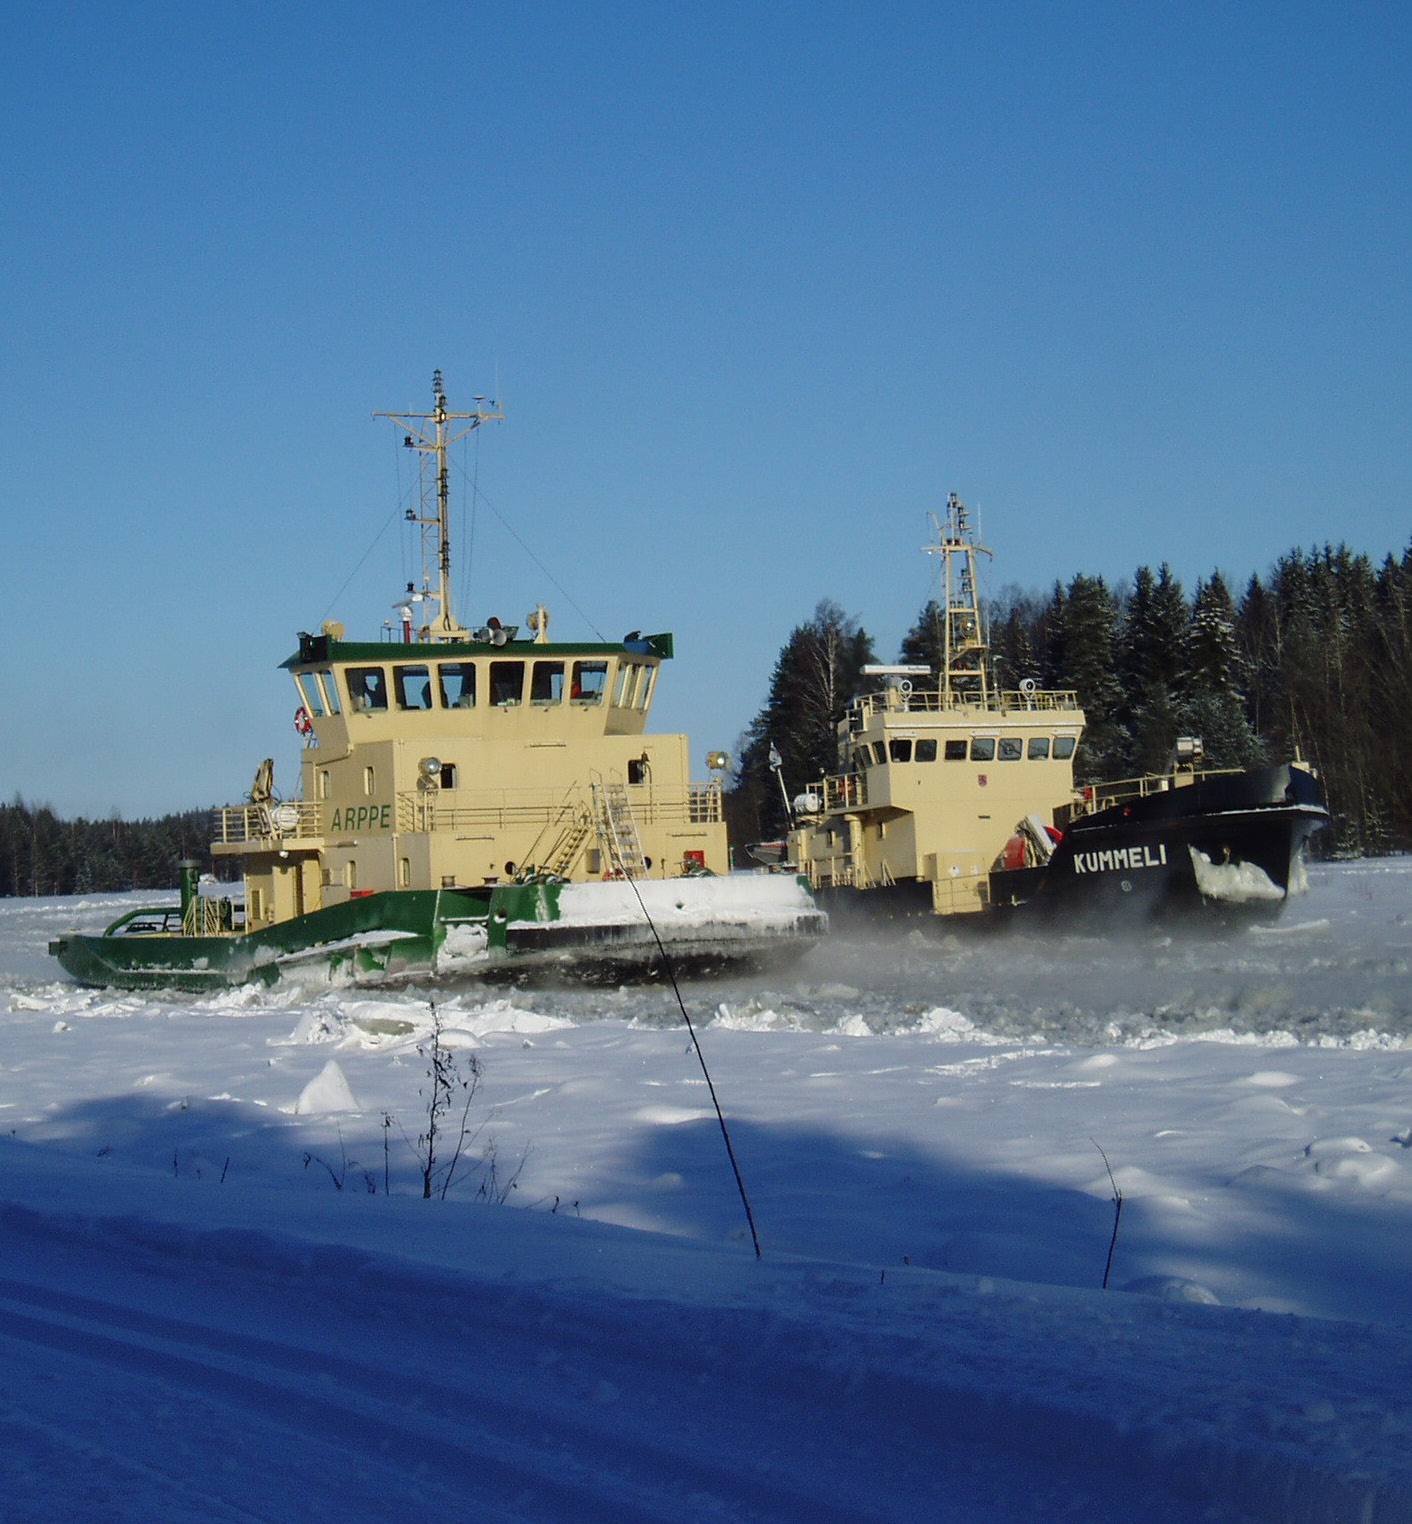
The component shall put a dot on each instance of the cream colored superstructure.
(934, 779)
(464, 757)
(473, 764)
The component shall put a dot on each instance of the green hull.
(505, 931)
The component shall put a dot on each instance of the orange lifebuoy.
(302, 723)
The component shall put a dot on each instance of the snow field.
(918, 1122)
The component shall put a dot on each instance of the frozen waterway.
(193, 1310)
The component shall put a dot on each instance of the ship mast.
(964, 676)
(435, 516)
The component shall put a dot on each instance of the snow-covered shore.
(195, 1318)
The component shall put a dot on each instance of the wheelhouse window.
(899, 749)
(457, 681)
(955, 751)
(310, 694)
(547, 682)
(983, 749)
(926, 750)
(1063, 748)
(412, 686)
(507, 683)
(590, 682)
(367, 688)
(634, 686)
(1012, 748)
(330, 690)
(879, 753)
(1039, 748)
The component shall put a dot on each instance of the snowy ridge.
(927, 1358)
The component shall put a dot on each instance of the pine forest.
(1313, 661)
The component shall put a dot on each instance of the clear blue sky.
(758, 284)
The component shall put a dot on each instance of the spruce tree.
(818, 671)
(1212, 680)
(1087, 629)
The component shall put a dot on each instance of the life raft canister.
(1014, 852)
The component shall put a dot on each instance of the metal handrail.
(295, 820)
(1006, 701)
(433, 811)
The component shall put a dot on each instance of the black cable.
(700, 1057)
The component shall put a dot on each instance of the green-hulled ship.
(471, 803)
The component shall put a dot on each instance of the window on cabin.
(310, 693)
(547, 682)
(899, 750)
(367, 688)
(412, 686)
(926, 751)
(590, 682)
(879, 753)
(644, 688)
(507, 682)
(1063, 748)
(457, 681)
(955, 751)
(638, 769)
(350, 875)
(323, 783)
(330, 688)
(404, 872)
(370, 782)
(1039, 748)
(448, 775)
(1012, 748)
(623, 686)
(983, 749)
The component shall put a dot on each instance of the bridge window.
(507, 682)
(879, 753)
(899, 749)
(330, 688)
(955, 751)
(926, 751)
(413, 687)
(590, 682)
(1063, 748)
(457, 681)
(1039, 748)
(367, 688)
(1012, 748)
(310, 693)
(983, 749)
(547, 682)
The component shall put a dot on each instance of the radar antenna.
(434, 516)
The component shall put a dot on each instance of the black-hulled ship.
(956, 797)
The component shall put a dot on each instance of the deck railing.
(486, 811)
(1099, 796)
(999, 702)
(298, 819)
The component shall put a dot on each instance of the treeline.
(1312, 660)
(40, 854)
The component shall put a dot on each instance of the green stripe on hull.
(378, 935)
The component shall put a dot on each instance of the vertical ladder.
(617, 830)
